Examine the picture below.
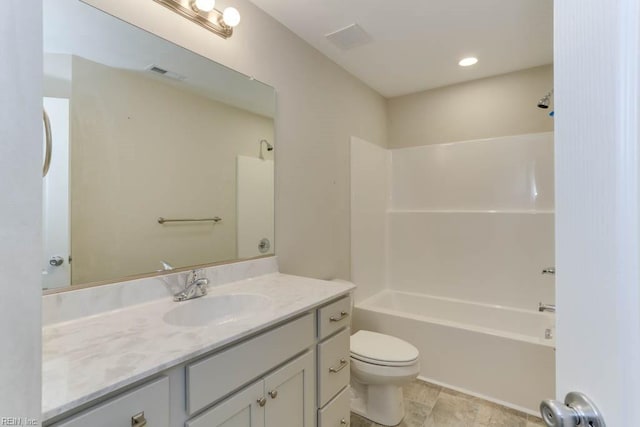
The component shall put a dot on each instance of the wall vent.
(349, 37)
(165, 73)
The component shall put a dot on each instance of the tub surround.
(486, 257)
(89, 357)
(471, 220)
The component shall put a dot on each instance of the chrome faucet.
(195, 287)
(546, 307)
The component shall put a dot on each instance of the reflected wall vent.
(349, 37)
(165, 73)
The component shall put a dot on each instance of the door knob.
(273, 394)
(577, 410)
(262, 401)
(56, 261)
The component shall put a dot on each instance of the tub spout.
(546, 307)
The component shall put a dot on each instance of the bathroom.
(324, 113)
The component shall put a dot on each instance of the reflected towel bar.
(215, 219)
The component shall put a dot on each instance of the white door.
(56, 270)
(597, 78)
(290, 394)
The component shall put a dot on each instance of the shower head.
(269, 147)
(544, 101)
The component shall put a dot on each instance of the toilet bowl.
(380, 366)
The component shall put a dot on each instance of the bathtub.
(501, 354)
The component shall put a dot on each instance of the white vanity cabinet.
(292, 375)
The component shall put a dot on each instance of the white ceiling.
(417, 43)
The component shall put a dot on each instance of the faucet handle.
(192, 277)
(549, 270)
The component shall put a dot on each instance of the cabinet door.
(290, 394)
(240, 410)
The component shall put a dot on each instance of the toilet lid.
(382, 349)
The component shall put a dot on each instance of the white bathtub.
(497, 353)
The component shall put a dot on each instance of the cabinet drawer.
(334, 317)
(212, 378)
(337, 413)
(333, 366)
(151, 398)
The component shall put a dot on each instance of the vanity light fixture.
(467, 62)
(204, 13)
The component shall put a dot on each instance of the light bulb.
(203, 5)
(467, 62)
(231, 16)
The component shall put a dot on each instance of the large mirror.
(159, 158)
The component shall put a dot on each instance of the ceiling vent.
(165, 73)
(349, 37)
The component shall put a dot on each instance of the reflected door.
(56, 269)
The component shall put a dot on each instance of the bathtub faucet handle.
(549, 270)
(546, 307)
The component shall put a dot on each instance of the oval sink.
(216, 309)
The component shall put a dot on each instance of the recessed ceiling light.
(467, 62)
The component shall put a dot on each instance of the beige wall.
(486, 108)
(141, 149)
(320, 106)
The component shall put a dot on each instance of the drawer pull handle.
(344, 422)
(343, 364)
(273, 394)
(138, 420)
(343, 314)
(262, 401)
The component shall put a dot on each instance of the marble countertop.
(88, 358)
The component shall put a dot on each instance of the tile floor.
(429, 405)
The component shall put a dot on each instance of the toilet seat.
(384, 350)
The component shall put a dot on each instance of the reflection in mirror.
(141, 130)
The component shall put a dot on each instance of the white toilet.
(380, 365)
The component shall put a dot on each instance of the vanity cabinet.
(292, 375)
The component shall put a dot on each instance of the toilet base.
(382, 404)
